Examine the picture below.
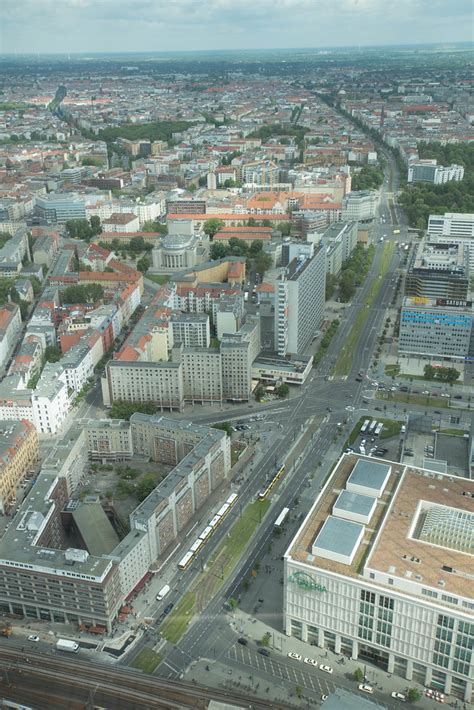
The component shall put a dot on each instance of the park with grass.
(217, 570)
(344, 361)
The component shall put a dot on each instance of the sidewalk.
(247, 626)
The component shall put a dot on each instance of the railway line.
(71, 683)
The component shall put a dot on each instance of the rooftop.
(421, 531)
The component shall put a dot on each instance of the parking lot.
(293, 672)
(367, 444)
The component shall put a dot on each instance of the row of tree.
(443, 374)
(354, 270)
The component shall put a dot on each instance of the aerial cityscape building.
(236, 362)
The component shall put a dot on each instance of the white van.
(163, 592)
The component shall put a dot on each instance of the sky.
(46, 26)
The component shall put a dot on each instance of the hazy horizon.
(129, 26)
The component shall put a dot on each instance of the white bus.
(281, 518)
(372, 427)
(364, 426)
(378, 429)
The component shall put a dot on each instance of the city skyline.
(104, 26)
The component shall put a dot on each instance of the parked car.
(398, 696)
(264, 651)
(311, 662)
(242, 641)
(168, 608)
(366, 688)
(33, 638)
(326, 669)
(294, 655)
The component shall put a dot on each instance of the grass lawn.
(452, 432)
(176, 623)
(147, 660)
(242, 531)
(392, 370)
(344, 361)
(158, 278)
(234, 455)
(390, 428)
(218, 569)
(420, 399)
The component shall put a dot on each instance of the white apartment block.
(381, 570)
(359, 205)
(429, 171)
(51, 404)
(306, 286)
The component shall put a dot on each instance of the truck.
(67, 645)
(163, 592)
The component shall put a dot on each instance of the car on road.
(242, 641)
(33, 638)
(294, 655)
(168, 608)
(366, 688)
(358, 379)
(311, 662)
(326, 669)
(398, 696)
(425, 392)
(378, 409)
(264, 651)
(436, 411)
(350, 409)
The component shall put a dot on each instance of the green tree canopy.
(84, 229)
(143, 264)
(263, 261)
(213, 225)
(218, 251)
(83, 293)
(146, 486)
(96, 227)
(52, 353)
(136, 244)
(124, 410)
(255, 247)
